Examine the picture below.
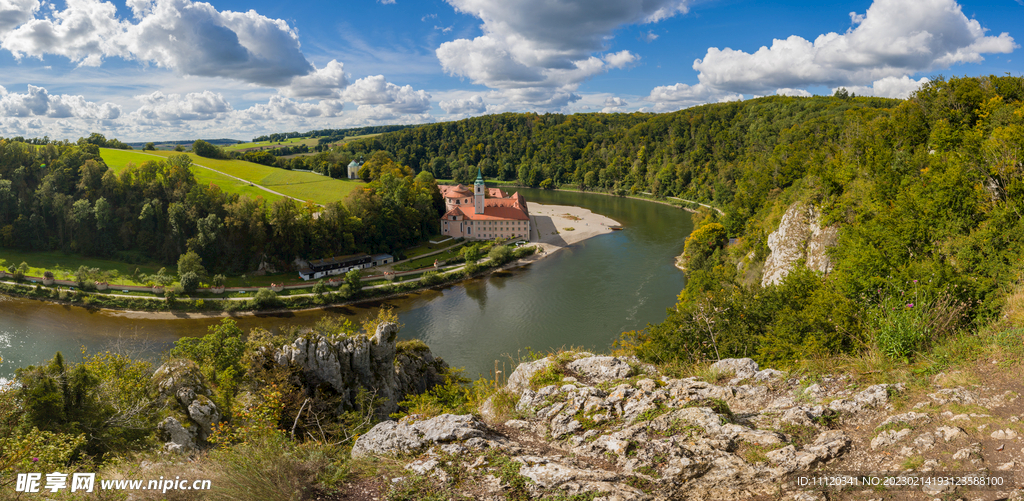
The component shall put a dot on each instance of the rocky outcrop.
(350, 363)
(800, 236)
(610, 429)
(181, 388)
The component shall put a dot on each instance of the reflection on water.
(584, 296)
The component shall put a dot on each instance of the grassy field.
(64, 266)
(118, 160)
(295, 141)
(301, 185)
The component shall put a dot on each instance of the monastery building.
(482, 214)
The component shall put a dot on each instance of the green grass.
(64, 266)
(428, 260)
(295, 141)
(117, 160)
(301, 185)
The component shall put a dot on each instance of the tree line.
(61, 196)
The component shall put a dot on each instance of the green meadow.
(302, 185)
(119, 159)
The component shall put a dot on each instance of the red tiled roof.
(492, 212)
(456, 191)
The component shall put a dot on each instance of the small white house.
(353, 169)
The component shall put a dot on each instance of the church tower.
(478, 192)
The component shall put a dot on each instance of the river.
(582, 296)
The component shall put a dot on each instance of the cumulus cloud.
(191, 38)
(615, 102)
(471, 106)
(159, 107)
(38, 102)
(196, 39)
(894, 38)
(894, 87)
(85, 31)
(679, 96)
(375, 90)
(14, 13)
(534, 46)
(280, 106)
(793, 92)
(326, 82)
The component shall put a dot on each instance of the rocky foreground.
(579, 426)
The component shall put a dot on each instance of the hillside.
(922, 198)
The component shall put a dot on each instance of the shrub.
(500, 254)
(431, 278)
(205, 149)
(264, 299)
(190, 282)
(218, 280)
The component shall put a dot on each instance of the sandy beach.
(556, 227)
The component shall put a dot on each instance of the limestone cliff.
(800, 236)
(611, 429)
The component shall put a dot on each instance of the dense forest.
(61, 196)
(928, 193)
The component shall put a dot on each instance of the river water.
(582, 296)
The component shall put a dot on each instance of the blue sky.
(167, 69)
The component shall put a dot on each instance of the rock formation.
(183, 390)
(800, 236)
(612, 429)
(350, 363)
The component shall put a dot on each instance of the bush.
(431, 278)
(265, 299)
(190, 282)
(205, 149)
(500, 254)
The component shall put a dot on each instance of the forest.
(61, 196)
(927, 192)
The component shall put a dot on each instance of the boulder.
(392, 438)
(519, 380)
(600, 369)
(178, 438)
(743, 368)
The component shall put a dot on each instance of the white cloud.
(375, 90)
(195, 39)
(679, 96)
(530, 47)
(650, 36)
(159, 107)
(387, 2)
(621, 59)
(14, 13)
(893, 38)
(86, 31)
(615, 102)
(894, 87)
(326, 82)
(191, 38)
(470, 106)
(280, 106)
(793, 92)
(38, 102)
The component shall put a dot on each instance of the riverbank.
(555, 227)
